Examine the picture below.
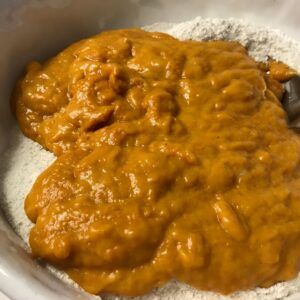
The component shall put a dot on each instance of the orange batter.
(174, 161)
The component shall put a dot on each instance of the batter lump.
(174, 160)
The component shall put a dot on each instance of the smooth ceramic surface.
(33, 29)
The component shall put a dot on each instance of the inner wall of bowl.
(36, 30)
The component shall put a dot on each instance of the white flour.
(24, 159)
(260, 41)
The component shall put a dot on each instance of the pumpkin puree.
(174, 160)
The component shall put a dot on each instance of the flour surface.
(24, 159)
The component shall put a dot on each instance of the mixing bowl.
(37, 29)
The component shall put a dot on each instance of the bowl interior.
(35, 30)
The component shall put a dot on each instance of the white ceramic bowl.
(36, 29)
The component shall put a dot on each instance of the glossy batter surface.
(174, 161)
